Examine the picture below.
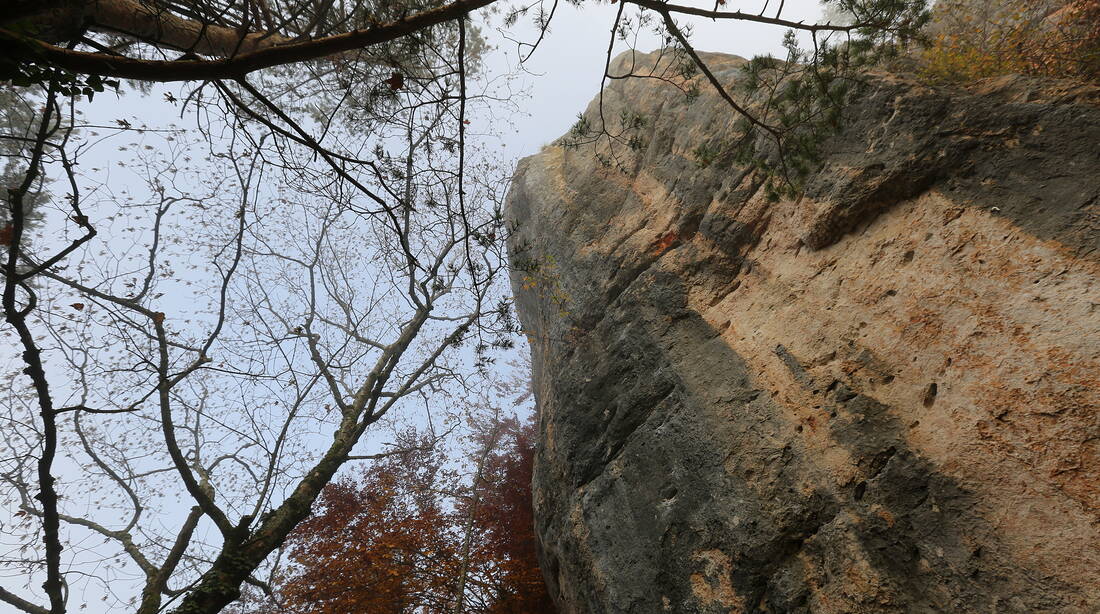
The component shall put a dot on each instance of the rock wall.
(882, 397)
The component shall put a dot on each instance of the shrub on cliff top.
(976, 40)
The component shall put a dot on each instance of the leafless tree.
(199, 377)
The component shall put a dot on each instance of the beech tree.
(506, 526)
(382, 542)
(202, 339)
(409, 535)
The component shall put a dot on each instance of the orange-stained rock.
(882, 397)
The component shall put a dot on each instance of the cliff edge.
(881, 397)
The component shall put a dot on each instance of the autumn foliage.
(973, 40)
(379, 544)
(507, 527)
(390, 540)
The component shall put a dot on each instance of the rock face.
(882, 397)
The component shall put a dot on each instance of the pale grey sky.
(565, 71)
(557, 81)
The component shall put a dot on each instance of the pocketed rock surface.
(881, 397)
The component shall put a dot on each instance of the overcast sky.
(555, 83)
(566, 69)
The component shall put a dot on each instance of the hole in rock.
(861, 489)
(930, 394)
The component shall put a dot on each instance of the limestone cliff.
(882, 397)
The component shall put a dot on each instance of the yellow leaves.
(542, 275)
(1018, 38)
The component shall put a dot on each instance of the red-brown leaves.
(396, 81)
(378, 545)
(390, 541)
(506, 517)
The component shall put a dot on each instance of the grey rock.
(880, 398)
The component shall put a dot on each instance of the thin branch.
(665, 8)
(676, 32)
